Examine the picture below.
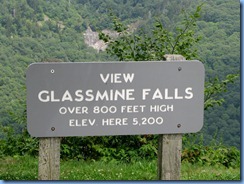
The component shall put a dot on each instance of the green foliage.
(17, 144)
(106, 148)
(210, 155)
(122, 148)
(215, 173)
(112, 170)
(154, 45)
(18, 168)
(214, 87)
(126, 149)
(195, 152)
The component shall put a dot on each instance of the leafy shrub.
(123, 148)
(120, 148)
(17, 144)
(212, 155)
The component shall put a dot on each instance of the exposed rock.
(92, 38)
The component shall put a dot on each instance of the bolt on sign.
(114, 98)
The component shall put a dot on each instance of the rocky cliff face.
(92, 39)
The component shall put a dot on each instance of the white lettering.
(119, 94)
(52, 97)
(67, 96)
(102, 96)
(114, 121)
(73, 110)
(129, 94)
(177, 95)
(104, 79)
(170, 108)
(161, 108)
(157, 94)
(84, 122)
(167, 94)
(117, 77)
(89, 95)
(71, 122)
(132, 108)
(129, 77)
(78, 93)
(145, 92)
(115, 95)
(62, 110)
(189, 93)
(40, 97)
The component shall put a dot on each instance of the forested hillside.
(53, 30)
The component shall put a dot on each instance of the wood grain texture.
(169, 156)
(49, 159)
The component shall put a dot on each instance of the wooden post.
(169, 147)
(49, 158)
(169, 156)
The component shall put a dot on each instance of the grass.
(141, 170)
(18, 168)
(26, 168)
(217, 172)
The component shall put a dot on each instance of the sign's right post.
(169, 148)
(169, 156)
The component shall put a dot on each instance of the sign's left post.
(49, 158)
